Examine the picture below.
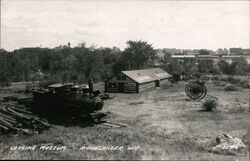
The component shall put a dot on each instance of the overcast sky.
(165, 24)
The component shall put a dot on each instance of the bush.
(245, 84)
(233, 80)
(222, 84)
(230, 87)
(209, 105)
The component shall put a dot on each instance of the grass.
(161, 122)
(220, 83)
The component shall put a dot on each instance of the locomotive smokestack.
(90, 86)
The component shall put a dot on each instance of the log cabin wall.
(121, 83)
(146, 86)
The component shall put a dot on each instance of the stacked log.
(17, 120)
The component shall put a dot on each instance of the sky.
(110, 23)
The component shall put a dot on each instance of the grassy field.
(163, 123)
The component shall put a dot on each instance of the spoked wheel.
(195, 90)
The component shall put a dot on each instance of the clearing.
(162, 122)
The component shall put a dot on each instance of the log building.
(135, 81)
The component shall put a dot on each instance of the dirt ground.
(162, 124)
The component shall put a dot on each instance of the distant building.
(194, 52)
(246, 52)
(214, 58)
(231, 58)
(136, 81)
(247, 59)
(196, 57)
(235, 51)
(183, 56)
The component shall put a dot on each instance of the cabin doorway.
(157, 83)
(121, 87)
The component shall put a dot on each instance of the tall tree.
(139, 54)
(204, 52)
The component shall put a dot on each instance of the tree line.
(238, 66)
(78, 64)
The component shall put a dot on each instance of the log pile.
(15, 120)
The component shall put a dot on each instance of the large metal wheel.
(196, 90)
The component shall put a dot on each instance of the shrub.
(245, 84)
(230, 87)
(222, 84)
(234, 81)
(209, 105)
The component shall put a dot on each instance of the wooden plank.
(130, 86)
(149, 85)
(146, 87)
(130, 83)
(112, 88)
(130, 89)
(17, 114)
(3, 127)
(8, 118)
(108, 90)
(20, 110)
(142, 89)
(5, 123)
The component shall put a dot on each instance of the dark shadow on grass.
(204, 110)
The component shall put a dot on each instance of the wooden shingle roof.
(147, 75)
